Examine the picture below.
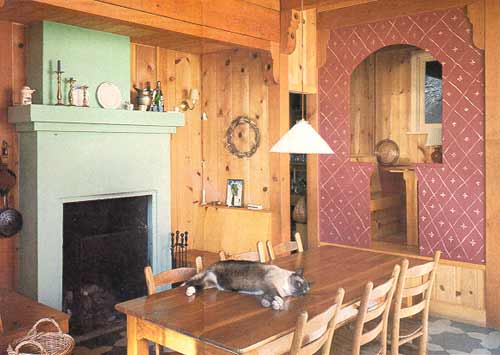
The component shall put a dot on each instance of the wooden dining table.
(220, 322)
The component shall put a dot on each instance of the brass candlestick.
(59, 93)
(71, 89)
(85, 95)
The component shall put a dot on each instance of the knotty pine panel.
(12, 60)
(235, 87)
(231, 84)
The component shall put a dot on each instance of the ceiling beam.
(321, 5)
(382, 10)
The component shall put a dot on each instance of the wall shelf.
(83, 119)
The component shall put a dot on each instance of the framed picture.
(234, 193)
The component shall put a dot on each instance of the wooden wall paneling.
(12, 57)
(459, 293)
(304, 59)
(279, 123)
(312, 182)
(492, 125)
(475, 13)
(362, 109)
(258, 111)
(186, 148)
(393, 97)
(239, 168)
(224, 95)
(143, 67)
(211, 128)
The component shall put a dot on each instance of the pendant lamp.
(302, 138)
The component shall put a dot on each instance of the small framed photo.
(234, 193)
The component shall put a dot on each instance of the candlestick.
(85, 96)
(59, 94)
(71, 89)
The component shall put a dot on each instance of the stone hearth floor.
(445, 338)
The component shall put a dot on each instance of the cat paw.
(278, 303)
(265, 303)
(190, 291)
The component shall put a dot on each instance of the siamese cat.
(268, 281)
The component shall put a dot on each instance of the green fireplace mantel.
(80, 119)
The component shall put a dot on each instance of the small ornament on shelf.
(26, 95)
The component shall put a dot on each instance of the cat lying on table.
(270, 282)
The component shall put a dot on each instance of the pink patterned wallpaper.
(451, 195)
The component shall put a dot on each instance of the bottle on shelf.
(158, 104)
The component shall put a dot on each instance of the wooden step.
(384, 230)
(381, 201)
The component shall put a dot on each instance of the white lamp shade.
(302, 139)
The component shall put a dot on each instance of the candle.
(59, 66)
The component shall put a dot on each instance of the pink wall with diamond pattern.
(451, 195)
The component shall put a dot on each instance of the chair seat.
(343, 339)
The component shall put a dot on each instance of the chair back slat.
(415, 282)
(170, 276)
(416, 290)
(420, 270)
(258, 255)
(412, 310)
(370, 335)
(285, 248)
(316, 333)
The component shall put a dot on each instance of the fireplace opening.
(105, 250)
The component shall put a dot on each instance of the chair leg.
(157, 349)
(422, 346)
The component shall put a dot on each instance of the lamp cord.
(302, 58)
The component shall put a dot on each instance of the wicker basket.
(44, 343)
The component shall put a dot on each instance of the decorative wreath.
(231, 146)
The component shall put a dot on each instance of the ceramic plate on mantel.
(109, 96)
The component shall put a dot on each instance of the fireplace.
(105, 250)
(71, 155)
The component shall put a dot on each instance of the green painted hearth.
(91, 57)
(70, 154)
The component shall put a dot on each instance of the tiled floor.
(446, 337)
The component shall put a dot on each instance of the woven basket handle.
(32, 343)
(34, 329)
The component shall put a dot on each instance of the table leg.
(135, 345)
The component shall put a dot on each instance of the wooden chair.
(415, 282)
(258, 255)
(169, 277)
(285, 248)
(310, 335)
(371, 322)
